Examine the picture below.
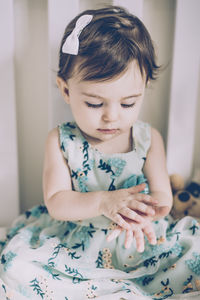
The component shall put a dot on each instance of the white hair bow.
(71, 44)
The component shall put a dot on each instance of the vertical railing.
(9, 197)
(184, 89)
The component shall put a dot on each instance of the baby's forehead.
(132, 69)
(129, 82)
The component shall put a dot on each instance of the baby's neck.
(120, 144)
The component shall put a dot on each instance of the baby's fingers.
(147, 199)
(128, 239)
(119, 220)
(150, 234)
(131, 214)
(142, 208)
(139, 238)
(114, 234)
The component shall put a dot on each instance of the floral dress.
(42, 258)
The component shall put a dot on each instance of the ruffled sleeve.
(67, 133)
(142, 138)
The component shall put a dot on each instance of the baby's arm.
(155, 171)
(65, 204)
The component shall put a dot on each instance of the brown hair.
(107, 45)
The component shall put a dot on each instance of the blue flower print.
(37, 211)
(115, 167)
(6, 259)
(66, 133)
(135, 180)
(194, 227)
(81, 177)
(67, 130)
(161, 251)
(194, 264)
(31, 235)
(131, 181)
(84, 235)
(15, 230)
(118, 164)
(71, 226)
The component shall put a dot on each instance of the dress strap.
(142, 138)
(67, 133)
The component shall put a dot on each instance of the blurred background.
(30, 103)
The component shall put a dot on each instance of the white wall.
(37, 27)
(31, 81)
(158, 17)
(184, 90)
(8, 139)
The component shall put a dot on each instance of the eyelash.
(128, 105)
(101, 104)
(94, 105)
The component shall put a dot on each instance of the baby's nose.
(110, 114)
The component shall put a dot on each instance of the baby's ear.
(62, 85)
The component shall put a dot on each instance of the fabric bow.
(71, 44)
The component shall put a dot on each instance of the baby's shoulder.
(67, 127)
(61, 133)
(156, 138)
(68, 132)
(52, 137)
(144, 131)
(141, 137)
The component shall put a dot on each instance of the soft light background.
(30, 103)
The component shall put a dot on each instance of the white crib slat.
(9, 198)
(184, 88)
(134, 6)
(93, 4)
(60, 13)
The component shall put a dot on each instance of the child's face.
(104, 110)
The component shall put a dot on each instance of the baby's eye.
(94, 105)
(127, 105)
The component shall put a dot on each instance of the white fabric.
(71, 44)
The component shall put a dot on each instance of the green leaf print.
(79, 245)
(73, 255)
(105, 167)
(57, 249)
(194, 227)
(165, 254)
(50, 271)
(99, 261)
(74, 272)
(37, 288)
(147, 280)
(150, 262)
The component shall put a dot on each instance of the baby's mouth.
(108, 131)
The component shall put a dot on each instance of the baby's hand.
(127, 203)
(137, 231)
(161, 211)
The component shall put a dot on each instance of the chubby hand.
(161, 211)
(137, 231)
(127, 204)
